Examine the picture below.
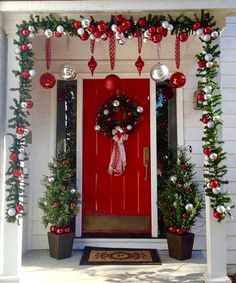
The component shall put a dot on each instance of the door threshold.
(114, 235)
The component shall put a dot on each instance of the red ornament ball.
(25, 32)
(137, 34)
(58, 34)
(59, 230)
(205, 119)
(190, 190)
(92, 28)
(217, 215)
(53, 228)
(200, 96)
(65, 161)
(56, 204)
(20, 130)
(29, 104)
(177, 79)
(201, 63)
(24, 48)
(77, 24)
(142, 22)
(67, 229)
(19, 208)
(47, 80)
(25, 75)
(73, 204)
(120, 29)
(126, 24)
(152, 29)
(13, 156)
(214, 183)
(196, 25)
(156, 37)
(172, 229)
(112, 82)
(207, 29)
(183, 36)
(207, 150)
(180, 231)
(119, 19)
(97, 34)
(17, 172)
(110, 33)
(102, 26)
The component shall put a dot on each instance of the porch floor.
(39, 267)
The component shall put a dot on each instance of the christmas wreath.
(119, 112)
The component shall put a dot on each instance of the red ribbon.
(48, 52)
(112, 51)
(177, 52)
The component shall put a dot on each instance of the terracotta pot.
(60, 245)
(180, 246)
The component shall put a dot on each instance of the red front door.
(115, 204)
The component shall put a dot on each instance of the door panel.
(114, 197)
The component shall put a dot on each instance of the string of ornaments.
(120, 29)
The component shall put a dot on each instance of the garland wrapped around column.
(152, 28)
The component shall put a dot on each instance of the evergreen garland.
(152, 28)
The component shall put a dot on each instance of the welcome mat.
(116, 256)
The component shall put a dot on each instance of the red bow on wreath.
(118, 157)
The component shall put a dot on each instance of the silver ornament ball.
(105, 111)
(170, 27)
(85, 23)
(208, 57)
(122, 41)
(216, 190)
(21, 156)
(210, 124)
(73, 191)
(116, 103)
(206, 37)
(199, 32)
(97, 127)
(173, 179)
(140, 109)
(51, 179)
(48, 33)
(165, 24)
(17, 50)
(80, 31)
(67, 72)
(159, 73)
(188, 206)
(209, 65)
(207, 89)
(213, 156)
(114, 27)
(11, 211)
(32, 73)
(23, 105)
(220, 209)
(214, 34)
(129, 127)
(60, 29)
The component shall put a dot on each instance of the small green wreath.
(130, 113)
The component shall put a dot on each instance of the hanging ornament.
(112, 51)
(159, 72)
(217, 215)
(139, 65)
(67, 71)
(177, 52)
(183, 36)
(216, 190)
(92, 62)
(112, 82)
(177, 79)
(47, 80)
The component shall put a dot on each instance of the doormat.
(232, 277)
(116, 256)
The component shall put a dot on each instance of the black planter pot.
(60, 245)
(180, 246)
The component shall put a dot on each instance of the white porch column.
(216, 232)
(10, 234)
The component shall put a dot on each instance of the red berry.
(184, 215)
(172, 229)
(19, 208)
(58, 34)
(25, 75)
(183, 36)
(207, 29)
(65, 161)
(92, 28)
(24, 48)
(152, 29)
(77, 24)
(13, 156)
(183, 166)
(214, 183)
(129, 114)
(207, 150)
(142, 22)
(217, 215)
(157, 37)
(202, 63)
(119, 19)
(200, 96)
(30, 104)
(25, 32)
(102, 27)
(180, 231)
(196, 25)
(56, 204)
(190, 190)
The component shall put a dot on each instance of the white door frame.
(153, 159)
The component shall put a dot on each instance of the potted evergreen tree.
(60, 205)
(180, 203)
